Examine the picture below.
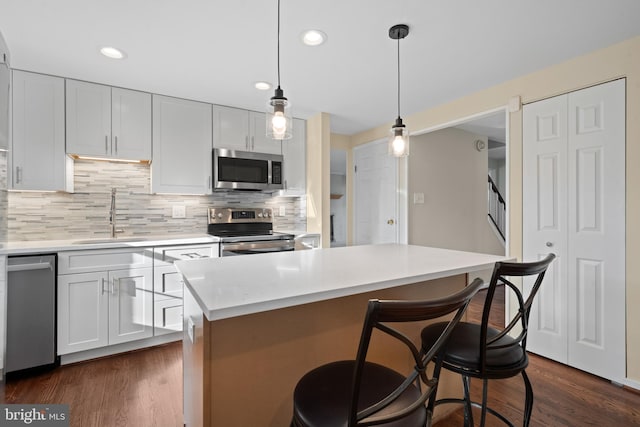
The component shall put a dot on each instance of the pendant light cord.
(398, 76)
(278, 43)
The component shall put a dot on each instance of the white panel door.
(597, 230)
(131, 124)
(544, 170)
(83, 309)
(130, 305)
(376, 209)
(587, 282)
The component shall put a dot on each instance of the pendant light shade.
(399, 135)
(278, 118)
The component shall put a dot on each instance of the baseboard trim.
(95, 353)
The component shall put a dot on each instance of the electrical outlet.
(179, 211)
(418, 198)
(283, 211)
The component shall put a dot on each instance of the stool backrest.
(501, 272)
(379, 315)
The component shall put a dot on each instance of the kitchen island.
(255, 324)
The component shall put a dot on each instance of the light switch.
(283, 211)
(418, 198)
(179, 211)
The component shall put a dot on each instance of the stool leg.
(468, 415)
(485, 386)
(528, 402)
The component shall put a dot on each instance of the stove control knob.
(220, 215)
(269, 214)
(259, 214)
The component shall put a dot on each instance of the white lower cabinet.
(111, 305)
(115, 296)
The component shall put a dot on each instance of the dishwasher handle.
(29, 267)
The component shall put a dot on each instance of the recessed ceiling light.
(263, 85)
(313, 37)
(112, 52)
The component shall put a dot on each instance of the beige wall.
(620, 60)
(318, 184)
(446, 167)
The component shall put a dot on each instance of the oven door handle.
(257, 247)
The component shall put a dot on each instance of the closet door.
(544, 170)
(574, 206)
(597, 230)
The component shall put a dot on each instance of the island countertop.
(235, 286)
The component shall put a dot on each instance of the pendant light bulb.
(279, 121)
(399, 137)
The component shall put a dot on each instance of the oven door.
(256, 247)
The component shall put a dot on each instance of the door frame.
(402, 179)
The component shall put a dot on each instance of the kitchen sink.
(109, 240)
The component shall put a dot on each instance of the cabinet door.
(39, 161)
(130, 305)
(294, 151)
(131, 124)
(230, 128)
(167, 283)
(181, 146)
(88, 119)
(83, 310)
(167, 316)
(258, 135)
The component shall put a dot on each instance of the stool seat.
(323, 395)
(463, 351)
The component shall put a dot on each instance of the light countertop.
(235, 286)
(52, 246)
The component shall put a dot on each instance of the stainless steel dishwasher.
(31, 312)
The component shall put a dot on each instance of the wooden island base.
(241, 371)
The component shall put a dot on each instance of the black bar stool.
(480, 351)
(362, 393)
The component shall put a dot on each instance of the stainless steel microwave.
(244, 170)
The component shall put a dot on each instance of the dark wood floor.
(144, 388)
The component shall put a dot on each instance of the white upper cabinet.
(258, 131)
(231, 128)
(108, 122)
(38, 156)
(181, 146)
(130, 124)
(294, 151)
(243, 130)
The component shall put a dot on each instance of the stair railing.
(497, 207)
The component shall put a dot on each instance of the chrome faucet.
(112, 215)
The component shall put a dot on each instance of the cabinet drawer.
(167, 317)
(170, 254)
(105, 259)
(167, 283)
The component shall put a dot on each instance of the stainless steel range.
(247, 231)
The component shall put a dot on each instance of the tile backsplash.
(85, 213)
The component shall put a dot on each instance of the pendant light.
(399, 138)
(279, 122)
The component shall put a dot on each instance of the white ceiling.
(213, 51)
